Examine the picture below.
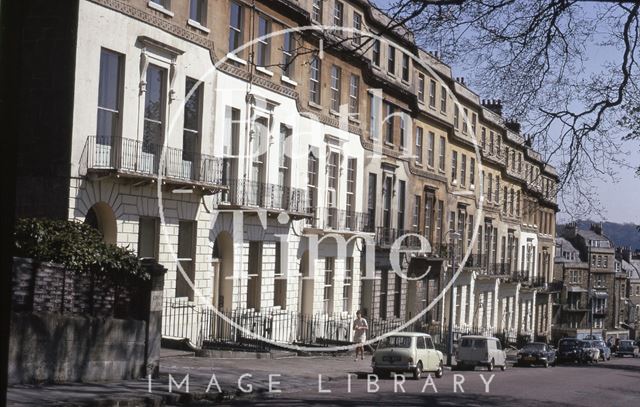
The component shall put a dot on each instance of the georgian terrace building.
(272, 148)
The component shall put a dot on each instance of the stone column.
(154, 316)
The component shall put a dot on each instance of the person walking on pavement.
(360, 328)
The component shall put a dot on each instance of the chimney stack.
(512, 125)
(494, 105)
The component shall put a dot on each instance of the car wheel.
(490, 367)
(440, 370)
(546, 364)
(417, 372)
(504, 367)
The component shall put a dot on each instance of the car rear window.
(473, 343)
(396, 342)
(569, 342)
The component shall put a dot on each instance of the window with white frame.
(338, 16)
(235, 26)
(347, 284)
(465, 118)
(314, 79)
(421, 84)
(474, 122)
(463, 170)
(109, 96)
(490, 188)
(374, 116)
(316, 11)
(389, 122)
(472, 171)
(352, 164)
(375, 53)
(454, 166)
(416, 213)
(312, 179)
(391, 60)
(288, 50)
(443, 149)
(456, 116)
(198, 11)
(336, 79)
(284, 161)
(333, 167)
(166, 4)
(357, 26)
(431, 143)
(327, 298)
(263, 45)
(354, 96)
(154, 110)
(405, 67)
(432, 93)
(419, 145)
(192, 119)
(403, 133)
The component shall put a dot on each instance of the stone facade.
(282, 185)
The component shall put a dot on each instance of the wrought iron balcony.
(255, 194)
(385, 237)
(138, 159)
(340, 220)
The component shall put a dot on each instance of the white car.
(480, 351)
(411, 352)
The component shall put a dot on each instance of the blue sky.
(620, 200)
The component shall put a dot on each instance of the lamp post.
(454, 236)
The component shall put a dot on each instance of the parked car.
(627, 347)
(480, 351)
(605, 352)
(407, 352)
(569, 350)
(590, 353)
(536, 353)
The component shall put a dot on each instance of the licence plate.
(391, 358)
(530, 358)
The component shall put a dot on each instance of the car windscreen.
(626, 344)
(395, 342)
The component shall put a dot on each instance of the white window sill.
(264, 70)
(333, 112)
(315, 105)
(236, 58)
(161, 9)
(353, 119)
(195, 24)
(418, 164)
(288, 80)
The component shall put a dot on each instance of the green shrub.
(77, 246)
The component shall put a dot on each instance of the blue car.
(536, 353)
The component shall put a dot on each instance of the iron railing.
(247, 329)
(141, 158)
(245, 193)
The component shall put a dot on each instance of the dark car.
(605, 352)
(569, 350)
(627, 348)
(536, 353)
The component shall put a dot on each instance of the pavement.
(341, 381)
